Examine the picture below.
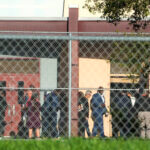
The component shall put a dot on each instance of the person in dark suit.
(114, 110)
(98, 110)
(124, 114)
(83, 114)
(49, 115)
(62, 122)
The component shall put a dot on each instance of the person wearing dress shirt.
(98, 110)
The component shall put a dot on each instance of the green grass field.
(76, 144)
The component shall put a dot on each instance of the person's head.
(146, 94)
(30, 91)
(100, 90)
(56, 92)
(34, 96)
(31, 86)
(129, 94)
(88, 94)
(2, 93)
(80, 94)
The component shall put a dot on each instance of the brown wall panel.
(50, 26)
(103, 26)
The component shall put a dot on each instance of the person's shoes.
(103, 137)
(91, 137)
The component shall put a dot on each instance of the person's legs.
(142, 123)
(1, 129)
(82, 126)
(30, 133)
(100, 126)
(50, 127)
(37, 132)
(45, 129)
(54, 127)
(95, 127)
(125, 128)
(87, 128)
(79, 126)
(147, 117)
(81, 131)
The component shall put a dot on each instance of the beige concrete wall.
(92, 74)
(82, 11)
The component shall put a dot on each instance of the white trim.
(91, 19)
(33, 18)
(102, 19)
(73, 6)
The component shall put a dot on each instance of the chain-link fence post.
(70, 81)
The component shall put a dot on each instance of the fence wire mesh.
(76, 84)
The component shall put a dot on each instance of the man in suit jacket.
(49, 115)
(124, 114)
(98, 110)
(83, 113)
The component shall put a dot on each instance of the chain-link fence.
(74, 84)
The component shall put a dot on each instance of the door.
(15, 97)
(13, 109)
(13, 112)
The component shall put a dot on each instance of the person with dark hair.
(83, 113)
(3, 106)
(124, 114)
(33, 115)
(22, 127)
(98, 110)
(49, 115)
(114, 110)
(62, 123)
(29, 93)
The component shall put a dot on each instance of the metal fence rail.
(74, 84)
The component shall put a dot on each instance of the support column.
(73, 27)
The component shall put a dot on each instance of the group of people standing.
(37, 115)
(128, 119)
(131, 120)
(97, 105)
(50, 107)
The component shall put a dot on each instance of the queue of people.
(128, 119)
